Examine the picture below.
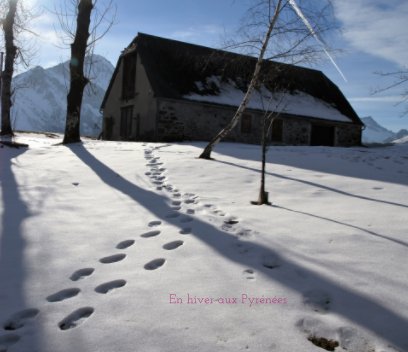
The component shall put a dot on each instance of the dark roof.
(174, 67)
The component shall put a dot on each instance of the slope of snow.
(298, 103)
(40, 97)
(114, 246)
(374, 132)
(402, 140)
(400, 135)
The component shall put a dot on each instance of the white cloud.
(198, 33)
(377, 27)
(374, 99)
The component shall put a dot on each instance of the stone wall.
(196, 121)
(181, 120)
(348, 135)
(296, 131)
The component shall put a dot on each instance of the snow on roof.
(296, 103)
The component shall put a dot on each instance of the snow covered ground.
(113, 246)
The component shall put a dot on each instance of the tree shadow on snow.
(314, 184)
(357, 162)
(13, 271)
(353, 306)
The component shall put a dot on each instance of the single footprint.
(176, 202)
(322, 342)
(318, 300)
(219, 212)
(185, 231)
(63, 295)
(190, 211)
(76, 318)
(150, 234)
(173, 215)
(176, 195)
(352, 339)
(8, 340)
(270, 261)
(190, 201)
(154, 223)
(154, 264)
(186, 219)
(18, 320)
(190, 195)
(245, 233)
(249, 274)
(109, 286)
(243, 249)
(113, 258)
(82, 274)
(125, 244)
(231, 221)
(173, 245)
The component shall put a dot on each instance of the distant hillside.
(374, 132)
(40, 97)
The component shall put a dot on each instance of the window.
(277, 130)
(246, 123)
(129, 76)
(126, 117)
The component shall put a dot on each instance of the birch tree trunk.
(263, 195)
(77, 79)
(7, 74)
(206, 154)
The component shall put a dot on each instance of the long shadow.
(303, 157)
(13, 272)
(314, 184)
(333, 190)
(402, 243)
(353, 306)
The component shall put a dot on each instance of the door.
(322, 135)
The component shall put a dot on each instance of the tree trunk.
(263, 197)
(206, 154)
(7, 74)
(77, 79)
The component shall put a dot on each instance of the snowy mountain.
(375, 133)
(402, 140)
(400, 135)
(40, 97)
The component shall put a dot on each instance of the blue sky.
(373, 39)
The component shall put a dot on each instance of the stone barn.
(167, 90)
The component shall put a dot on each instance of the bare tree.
(272, 111)
(19, 51)
(84, 38)
(78, 81)
(283, 24)
(7, 74)
(399, 80)
(206, 154)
